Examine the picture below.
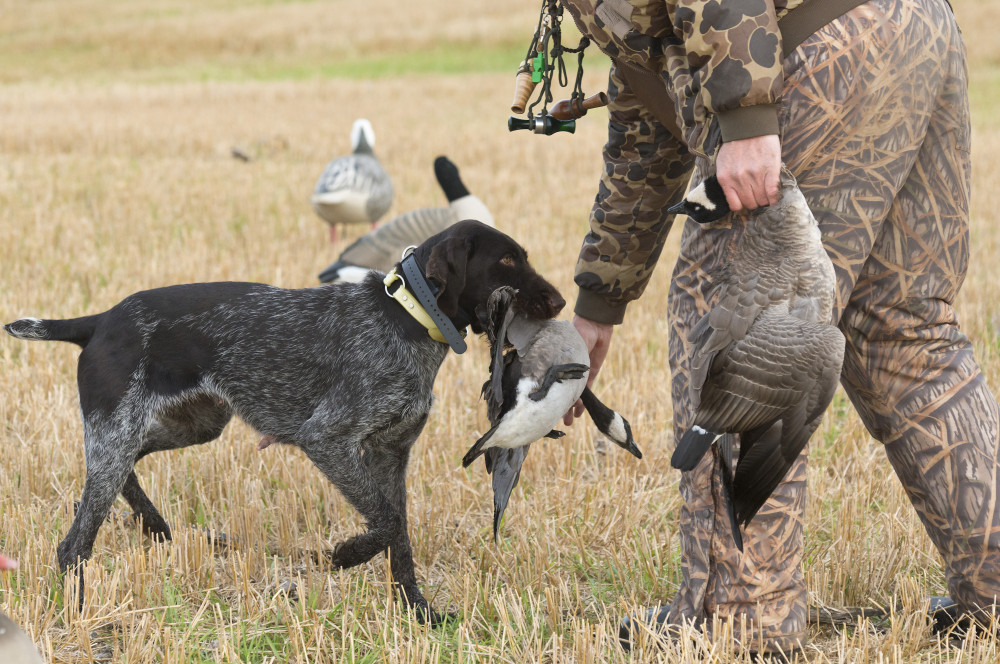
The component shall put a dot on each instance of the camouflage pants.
(874, 122)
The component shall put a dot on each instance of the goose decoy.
(380, 248)
(529, 390)
(765, 360)
(354, 189)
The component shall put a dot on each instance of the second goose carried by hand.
(766, 359)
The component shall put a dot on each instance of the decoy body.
(381, 248)
(354, 189)
(15, 646)
(765, 360)
(529, 390)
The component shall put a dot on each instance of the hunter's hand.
(597, 336)
(748, 171)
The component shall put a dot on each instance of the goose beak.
(629, 444)
(634, 450)
(631, 448)
(678, 208)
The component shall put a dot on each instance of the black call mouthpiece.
(541, 124)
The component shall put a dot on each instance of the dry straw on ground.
(117, 176)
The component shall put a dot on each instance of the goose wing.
(501, 388)
(501, 396)
(774, 367)
(738, 304)
(505, 467)
(775, 396)
(382, 247)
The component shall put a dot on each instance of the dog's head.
(469, 260)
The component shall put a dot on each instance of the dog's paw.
(414, 601)
(341, 556)
(425, 615)
(353, 551)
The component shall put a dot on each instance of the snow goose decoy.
(380, 248)
(765, 360)
(354, 189)
(529, 390)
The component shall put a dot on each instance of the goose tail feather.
(692, 447)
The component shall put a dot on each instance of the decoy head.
(705, 203)
(449, 180)
(362, 137)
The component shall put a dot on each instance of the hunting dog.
(340, 371)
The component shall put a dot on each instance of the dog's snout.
(546, 302)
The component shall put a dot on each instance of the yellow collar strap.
(411, 306)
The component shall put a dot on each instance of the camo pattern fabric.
(714, 57)
(645, 171)
(874, 124)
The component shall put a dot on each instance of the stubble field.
(116, 125)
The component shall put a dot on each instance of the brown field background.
(116, 124)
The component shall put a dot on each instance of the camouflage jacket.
(719, 63)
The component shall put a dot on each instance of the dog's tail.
(75, 330)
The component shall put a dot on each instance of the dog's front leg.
(342, 465)
(388, 467)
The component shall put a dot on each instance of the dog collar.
(412, 306)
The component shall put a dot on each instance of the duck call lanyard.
(545, 56)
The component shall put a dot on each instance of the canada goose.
(504, 464)
(354, 189)
(380, 248)
(765, 360)
(529, 390)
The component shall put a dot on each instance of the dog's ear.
(447, 266)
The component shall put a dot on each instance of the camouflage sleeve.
(646, 168)
(732, 51)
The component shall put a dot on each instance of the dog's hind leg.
(108, 469)
(143, 508)
(194, 420)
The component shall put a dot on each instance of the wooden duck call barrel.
(571, 109)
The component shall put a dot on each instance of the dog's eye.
(507, 260)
